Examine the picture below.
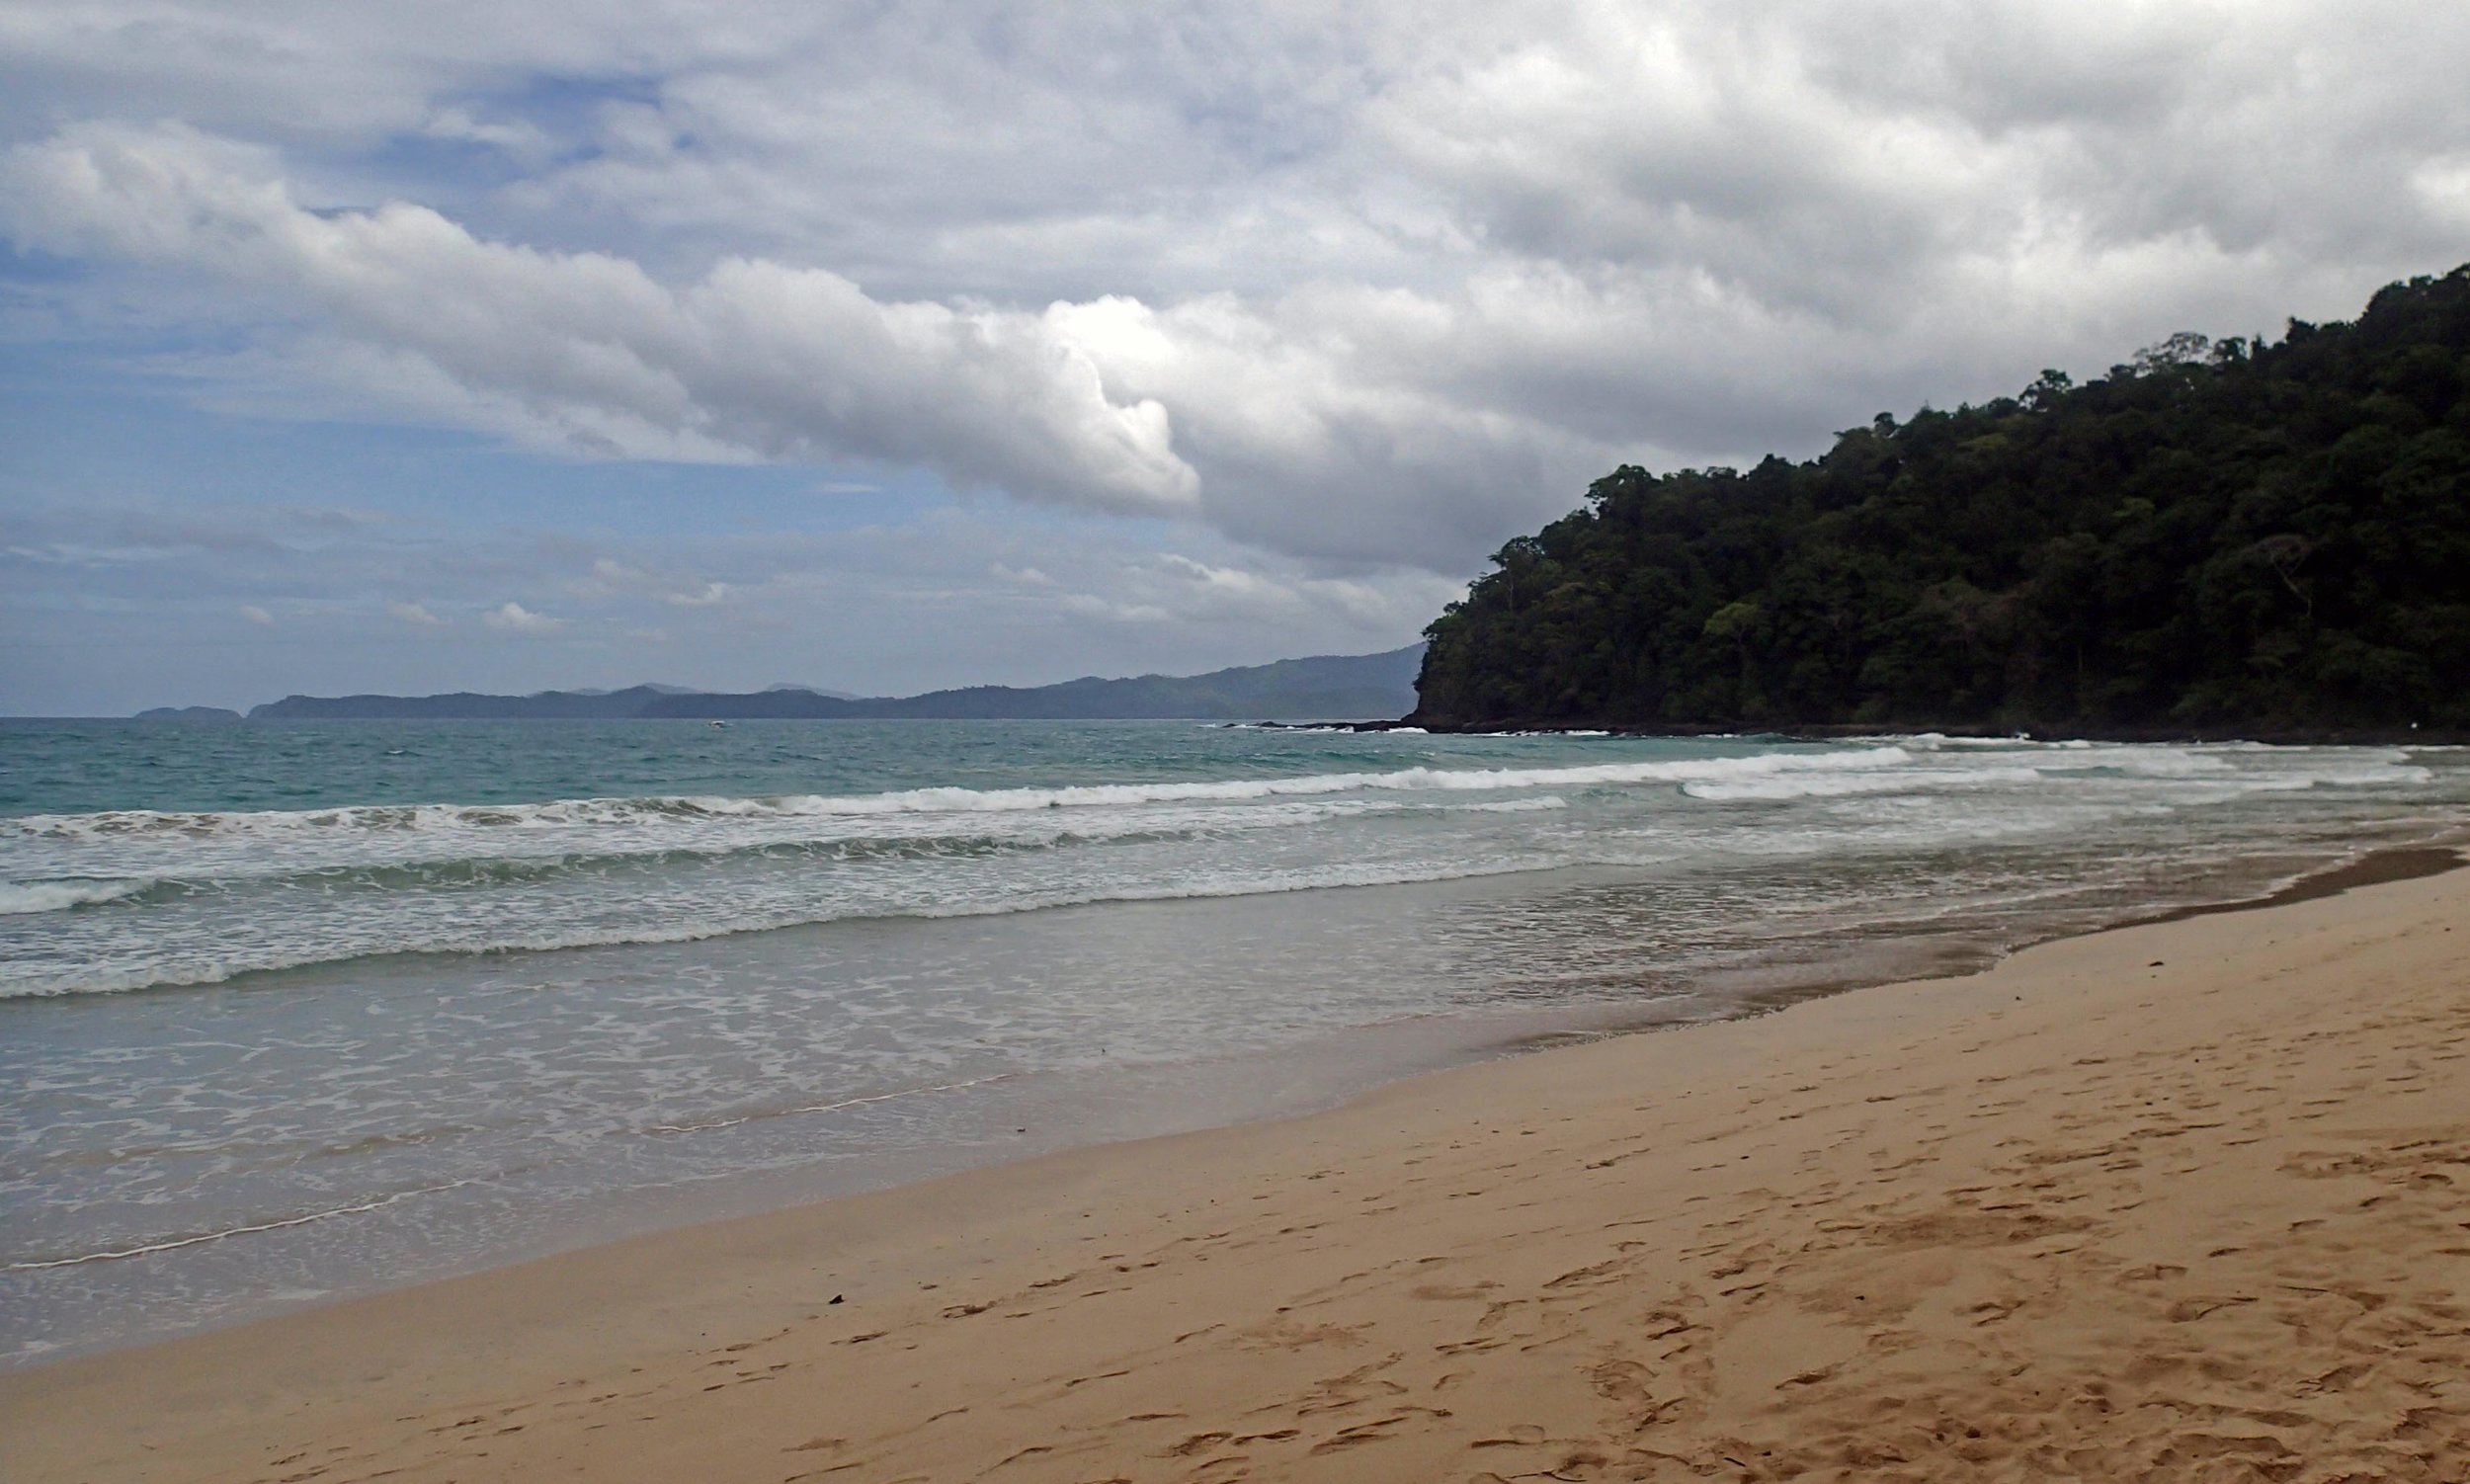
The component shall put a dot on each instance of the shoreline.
(1331, 1071)
(1842, 731)
(1085, 1259)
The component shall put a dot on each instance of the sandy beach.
(2184, 1201)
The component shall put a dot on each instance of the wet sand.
(2184, 1201)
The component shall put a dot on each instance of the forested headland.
(2270, 539)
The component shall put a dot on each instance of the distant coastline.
(1349, 687)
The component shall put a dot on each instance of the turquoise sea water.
(295, 1011)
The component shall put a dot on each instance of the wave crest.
(117, 823)
(18, 898)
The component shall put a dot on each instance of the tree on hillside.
(2241, 533)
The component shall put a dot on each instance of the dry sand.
(2189, 1200)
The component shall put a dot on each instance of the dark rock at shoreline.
(2338, 736)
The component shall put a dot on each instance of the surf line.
(816, 1108)
(175, 1243)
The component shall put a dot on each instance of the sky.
(886, 347)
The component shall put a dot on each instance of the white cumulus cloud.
(756, 359)
(514, 617)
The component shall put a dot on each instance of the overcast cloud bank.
(1325, 300)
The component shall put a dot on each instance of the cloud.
(587, 350)
(1356, 288)
(614, 578)
(415, 615)
(524, 142)
(2443, 185)
(1091, 606)
(257, 615)
(1225, 582)
(514, 617)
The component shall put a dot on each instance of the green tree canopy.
(2217, 536)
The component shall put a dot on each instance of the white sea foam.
(124, 824)
(298, 952)
(1848, 784)
(199, 1239)
(21, 897)
(248, 891)
(1457, 779)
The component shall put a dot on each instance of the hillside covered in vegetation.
(2233, 536)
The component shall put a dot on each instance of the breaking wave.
(132, 899)
(18, 898)
(123, 824)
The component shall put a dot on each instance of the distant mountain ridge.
(1359, 686)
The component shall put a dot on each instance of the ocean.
(291, 1012)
